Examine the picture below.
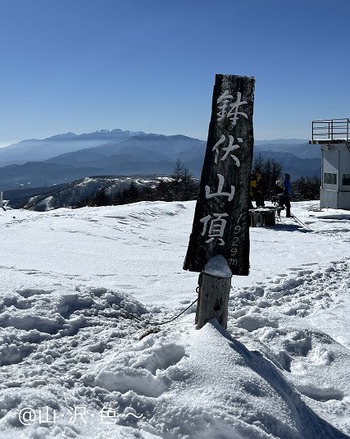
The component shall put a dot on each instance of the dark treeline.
(303, 188)
(271, 171)
(306, 188)
(181, 186)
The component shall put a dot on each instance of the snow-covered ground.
(81, 357)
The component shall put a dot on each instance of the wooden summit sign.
(221, 219)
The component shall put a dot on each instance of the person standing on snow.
(284, 191)
(258, 187)
(252, 186)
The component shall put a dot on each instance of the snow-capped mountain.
(34, 150)
(67, 157)
(64, 158)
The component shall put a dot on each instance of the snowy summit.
(90, 350)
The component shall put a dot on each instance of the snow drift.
(82, 353)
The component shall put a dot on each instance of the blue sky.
(150, 65)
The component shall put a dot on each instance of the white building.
(333, 136)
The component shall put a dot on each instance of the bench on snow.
(262, 216)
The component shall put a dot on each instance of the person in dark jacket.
(252, 186)
(284, 192)
(258, 188)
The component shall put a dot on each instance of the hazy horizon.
(150, 66)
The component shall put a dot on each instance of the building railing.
(332, 130)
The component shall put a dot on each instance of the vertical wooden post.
(214, 292)
(221, 219)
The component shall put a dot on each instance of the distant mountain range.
(67, 157)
